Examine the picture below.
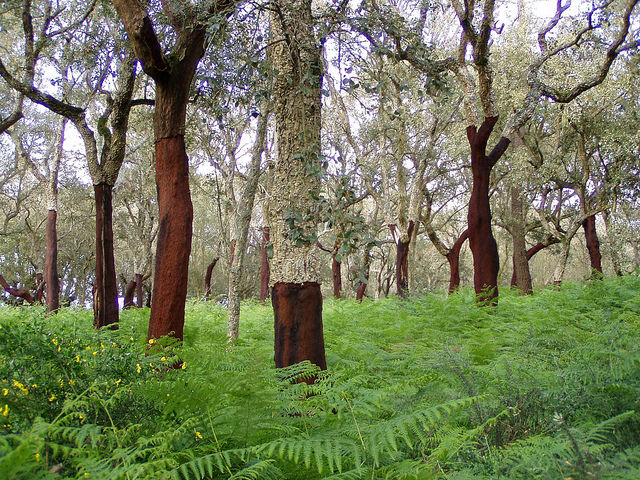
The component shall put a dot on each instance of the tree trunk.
(484, 248)
(264, 265)
(207, 278)
(174, 236)
(105, 307)
(532, 251)
(39, 287)
(362, 284)
(336, 272)
(613, 244)
(453, 257)
(128, 294)
(51, 264)
(298, 324)
(558, 273)
(593, 245)
(139, 300)
(295, 266)
(16, 292)
(402, 261)
(520, 260)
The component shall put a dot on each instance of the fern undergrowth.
(542, 387)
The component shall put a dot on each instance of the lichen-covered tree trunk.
(593, 244)
(362, 284)
(105, 305)
(531, 252)
(264, 265)
(520, 260)
(51, 263)
(295, 267)
(486, 262)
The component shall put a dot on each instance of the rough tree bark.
(532, 251)
(362, 284)
(403, 242)
(484, 249)
(336, 272)
(520, 261)
(264, 265)
(51, 263)
(593, 245)
(295, 269)
(173, 81)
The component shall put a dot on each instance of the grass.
(542, 387)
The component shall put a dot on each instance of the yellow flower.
(78, 358)
(5, 392)
(101, 345)
(95, 353)
(37, 457)
(54, 341)
(52, 397)
(164, 359)
(184, 365)
(118, 382)
(72, 382)
(131, 338)
(21, 387)
(152, 341)
(59, 348)
(5, 410)
(198, 436)
(87, 347)
(86, 475)
(138, 368)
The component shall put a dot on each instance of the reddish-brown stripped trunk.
(336, 272)
(105, 305)
(207, 278)
(128, 294)
(486, 262)
(51, 263)
(402, 261)
(16, 292)
(264, 265)
(362, 285)
(593, 244)
(174, 238)
(298, 324)
(139, 300)
(453, 257)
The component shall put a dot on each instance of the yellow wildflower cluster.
(5, 410)
(21, 387)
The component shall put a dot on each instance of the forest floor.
(539, 387)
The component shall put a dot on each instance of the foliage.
(539, 387)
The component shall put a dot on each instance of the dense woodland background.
(394, 148)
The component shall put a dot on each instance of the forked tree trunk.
(402, 260)
(174, 237)
(105, 306)
(295, 266)
(207, 278)
(593, 245)
(17, 292)
(139, 299)
(128, 294)
(51, 264)
(520, 260)
(453, 257)
(336, 272)
(486, 262)
(532, 251)
(264, 265)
